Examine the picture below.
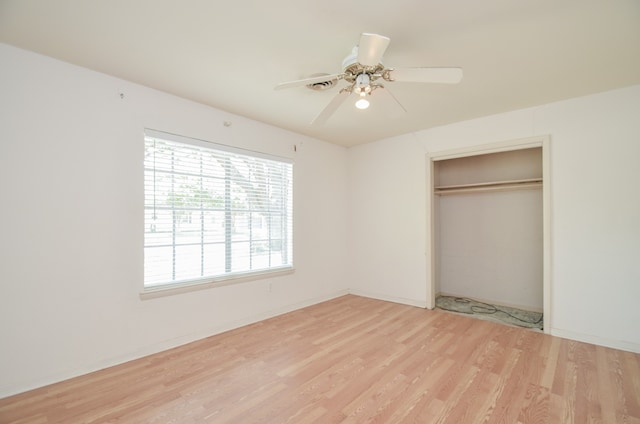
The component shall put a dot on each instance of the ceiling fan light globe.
(362, 103)
(362, 91)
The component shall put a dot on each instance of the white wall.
(387, 221)
(71, 218)
(71, 257)
(488, 244)
(595, 208)
(490, 247)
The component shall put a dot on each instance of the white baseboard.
(162, 346)
(169, 344)
(596, 340)
(394, 299)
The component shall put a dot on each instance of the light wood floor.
(354, 360)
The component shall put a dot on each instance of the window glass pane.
(241, 223)
(261, 255)
(212, 211)
(158, 227)
(158, 265)
(276, 258)
(213, 227)
(188, 262)
(240, 257)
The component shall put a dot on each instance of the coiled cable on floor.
(485, 308)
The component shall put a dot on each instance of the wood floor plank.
(353, 360)
(536, 405)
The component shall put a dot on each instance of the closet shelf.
(530, 183)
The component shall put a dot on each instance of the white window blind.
(213, 212)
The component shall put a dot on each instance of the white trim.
(547, 294)
(394, 299)
(501, 146)
(164, 345)
(430, 243)
(171, 289)
(542, 141)
(151, 133)
(595, 340)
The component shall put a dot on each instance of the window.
(213, 212)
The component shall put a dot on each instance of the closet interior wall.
(489, 228)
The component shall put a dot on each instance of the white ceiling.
(230, 55)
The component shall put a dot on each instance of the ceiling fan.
(365, 73)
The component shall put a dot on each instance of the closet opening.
(488, 232)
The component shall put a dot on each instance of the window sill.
(193, 285)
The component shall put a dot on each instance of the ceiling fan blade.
(371, 48)
(433, 75)
(307, 81)
(382, 91)
(331, 108)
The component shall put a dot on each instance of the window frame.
(152, 290)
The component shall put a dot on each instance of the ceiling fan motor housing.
(364, 72)
(352, 68)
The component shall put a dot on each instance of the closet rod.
(528, 184)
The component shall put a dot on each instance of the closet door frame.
(504, 146)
